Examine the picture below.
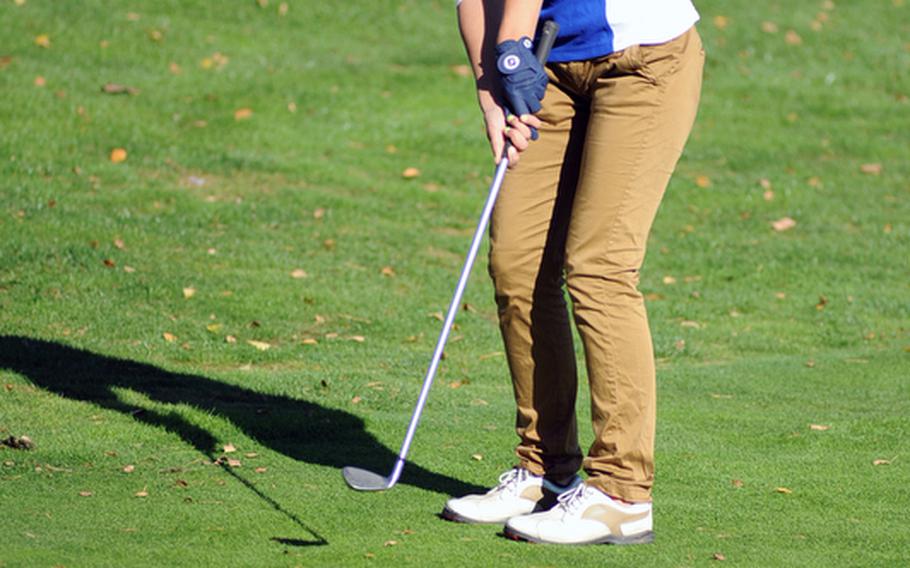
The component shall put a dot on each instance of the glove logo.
(511, 62)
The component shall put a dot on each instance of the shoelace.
(510, 480)
(570, 500)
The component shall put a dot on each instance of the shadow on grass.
(297, 428)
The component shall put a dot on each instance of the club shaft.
(450, 315)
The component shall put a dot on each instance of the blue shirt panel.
(584, 32)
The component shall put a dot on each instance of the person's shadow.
(297, 428)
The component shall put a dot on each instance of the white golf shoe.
(585, 515)
(519, 492)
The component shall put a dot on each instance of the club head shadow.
(363, 480)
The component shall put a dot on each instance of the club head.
(363, 480)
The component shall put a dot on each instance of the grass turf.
(759, 334)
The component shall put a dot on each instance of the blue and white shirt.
(592, 28)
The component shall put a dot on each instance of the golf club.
(364, 480)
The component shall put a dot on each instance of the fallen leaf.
(213, 327)
(822, 302)
(784, 490)
(780, 295)
(43, 40)
(155, 35)
(189, 293)
(814, 181)
(357, 338)
(391, 149)
(768, 195)
(229, 448)
(169, 337)
(703, 181)
(718, 556)
(118, 155)
(871, 169)
(738, 483)
(85, 494)
(109, 263)
(129, 468)
(410, 173)
(668, 280)
(388, 271)
(810, 363)
(143, 493)
(309, 341)
(174, 68)
(769, 27)
(118, 89)
(18, 443)
(181, 483)
(783, 224)
(283, 9)
(299, 273)
(120, 244)
(721, 22)
(881, 462)
(390, 543)
(690, 324)
(234, 462)
(793, 38)
(5, 60)
(40, 81)
(318, 213)
(477, 457)
(230, 339)
(819, 427)
(243, 113)
(437, 315)
(356, 400)
(260, 345)
(680, 344)
(261, 469)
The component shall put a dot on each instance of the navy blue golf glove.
(524, 81)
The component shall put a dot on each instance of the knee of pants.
(603, 283)
(514, 272)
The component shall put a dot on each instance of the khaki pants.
(577, 210)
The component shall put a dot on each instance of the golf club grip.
(547, 37)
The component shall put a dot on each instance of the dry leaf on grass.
(819, 427)
(229, 448)
(260, 345)
(118, 89)
(783, 224)
(169, 337)
(410, 173)
(118, 155)
(243, 113)
(871, 169)
(299, 273)
(784, 490)
(189, 293)
(793, 38)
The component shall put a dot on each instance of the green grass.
(761, 335)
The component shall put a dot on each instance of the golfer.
(594, 139)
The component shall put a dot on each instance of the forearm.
(519, 19)
(479, 22)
